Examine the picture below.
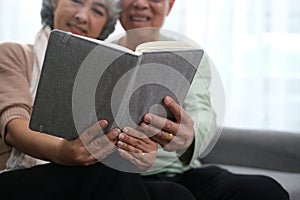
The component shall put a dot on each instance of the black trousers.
(215, 183)
(55, 182)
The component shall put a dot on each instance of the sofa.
(272, 153)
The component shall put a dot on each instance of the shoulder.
(12, 48)
(16, 53)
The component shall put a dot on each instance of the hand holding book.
(171, 135)
(88, 148)
(175, 135)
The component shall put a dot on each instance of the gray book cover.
(84, 80)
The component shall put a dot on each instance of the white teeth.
(142, 19)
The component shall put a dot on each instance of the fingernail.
(167, 100)
(120, 143)
(116, 132)
(147, 118)
(121, 136)
(143, 125)
(102, 123)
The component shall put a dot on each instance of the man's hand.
(171, 135)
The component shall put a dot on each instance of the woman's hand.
(85, 150)
(138, 148)
(172, 136)
(88, 149)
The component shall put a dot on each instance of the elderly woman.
(72, 172)
(20, 68)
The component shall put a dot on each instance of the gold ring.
(170, 137)
(142, 155)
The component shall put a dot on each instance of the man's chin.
(144, 32)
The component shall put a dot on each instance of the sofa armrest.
(266, 149)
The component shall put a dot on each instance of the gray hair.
(113, 11)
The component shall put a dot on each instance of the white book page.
(163, 45)
(108, 44)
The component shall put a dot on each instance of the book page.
(104, 43)
(164, 45)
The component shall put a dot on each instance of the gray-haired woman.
(20, 69)
(112, 8)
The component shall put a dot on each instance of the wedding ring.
(170, 137)
(142, 155)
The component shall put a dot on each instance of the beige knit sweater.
(16, 63)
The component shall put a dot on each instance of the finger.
(101, 147)
(128, 137)
(113, 135)
(162, 137)
(105, 151)
(100, 142)
(96, 127)
(137, 159)
(155, 133)
(161, 123)
(89, 134)
(134, 133)
(178, 112)
(127, 147)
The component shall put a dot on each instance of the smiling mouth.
(77, 30)
(140, 19)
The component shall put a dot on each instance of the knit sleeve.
(16, 63)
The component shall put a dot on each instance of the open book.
(85, 80)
